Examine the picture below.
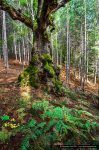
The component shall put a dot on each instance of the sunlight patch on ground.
(25, 92)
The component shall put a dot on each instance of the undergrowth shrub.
(54, 125)
(4, 135)
(61, 90)
(50, 125)
(7, 125)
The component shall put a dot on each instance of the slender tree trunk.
(32, 11)
(15, 47)
(28, 56)
(52, 55)
(30, 45)
(85, 45)
(87, 60)
(27, 51)
(5, 48)
(80, 69)
(74, 62)
(68, 51)
(24, 52)
(95, 70)
(57, 54)
(98, 76)
(20, 59)
(60, 56)
(82, 81)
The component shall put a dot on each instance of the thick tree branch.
(15, 14)
(49, 7)
(61, 4)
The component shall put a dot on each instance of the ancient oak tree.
(41, 63)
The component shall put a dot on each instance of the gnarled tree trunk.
(40, 42)
(41, 62)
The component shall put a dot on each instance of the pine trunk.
(4, 36)
(68, 51)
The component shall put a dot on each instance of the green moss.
(49, 69)
(23, 79)
(63, 91)
(19, 78)
(47, 65)
(46, 58)
(33, 81)
(33, 70)
(45, 35)
(33, 76)
(29, 76)
(35, 24)
(35, 59)
(59, 89)
(57, 71)
(59, 67)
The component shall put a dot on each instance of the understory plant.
(51, 125)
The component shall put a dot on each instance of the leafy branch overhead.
(45, 8)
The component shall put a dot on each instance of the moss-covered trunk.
(41, 68)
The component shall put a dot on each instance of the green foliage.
(55, 124)
(46, 58)
(51, 124)
(58, 87)
(40, 105)
(49, 69)
(5, 118)
(69, 93)
(35, 6)
(4, 135)
(23, 2)
(21, 113)
(35, 24)
(48, 65)
(59, 67)
(23, 79)
(35, 59)
(63, 91)
(29, 76)
(23, 103)
(33, 131)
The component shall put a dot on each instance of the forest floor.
(15, 68)
(11, 95)
(74, 82)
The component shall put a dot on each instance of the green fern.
(25, 143)
(54, 125)
(32, 123)
(40, 105)
(5, 118)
